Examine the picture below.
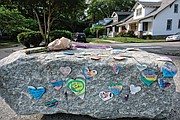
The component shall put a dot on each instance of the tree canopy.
(12, 22)
(99, 9)
(46, 11)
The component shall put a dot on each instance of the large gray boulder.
(139, 85)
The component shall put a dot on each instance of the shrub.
(30, 38)
(59, 33)
(87, 31)
(130, 33)
(98, 30)
(147, 37)
(122, 33)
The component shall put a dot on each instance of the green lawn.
(122, 39)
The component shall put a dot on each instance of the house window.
(179, 24)
(145, 26)
(175, 8)
(169, 24)
(139, 12)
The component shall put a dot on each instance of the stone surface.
(18, 71)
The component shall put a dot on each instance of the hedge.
(59, 33)
(30, 38)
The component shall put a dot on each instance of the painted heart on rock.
(36, 92)
(134, 89)
(87, 73)
(116, 68)
(78, 86)
(65, 70)
(162, 84)
(169, 69)
(115, 88)
(51, 104)
(164, 58)
(148, 77)
(105, 95)
(141, 67)
(57, 84)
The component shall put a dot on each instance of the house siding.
(160, 21)
(140, 16)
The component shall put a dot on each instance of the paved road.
(161, 48)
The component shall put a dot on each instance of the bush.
(30, 38)
(122, 33)
(87, 31)
(59, 33)
(130, 33)
(147, 37)
(98, 30)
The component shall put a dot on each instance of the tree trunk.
(49, 22)
(40, 27)
(45, 26)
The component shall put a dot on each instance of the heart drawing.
(36, 92)
(162, 84)
(65, 70)
(116, 69)
(169, 69)
(164, 58)
(87, 73)
(115, 88)
(57, 84)
(134, 89)
(148, 77)
(51, 104)
(141, 67)
(78, 86)
(105, 95)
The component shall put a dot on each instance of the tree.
(12, 22)
(99, 9)
(45, 11)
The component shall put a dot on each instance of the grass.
(123, 40)
(8, 44)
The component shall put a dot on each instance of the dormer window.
(175, 8)
(139, 12)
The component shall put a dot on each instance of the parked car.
(79, 37)
(174, 37)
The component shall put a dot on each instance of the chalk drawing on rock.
(162, 83)
(95, 57)
(116, 69)
(134, 89)
(78, 86)
(88, 73)
(36, 92)
(57, 84)
(115, 88)
(141, 67)
(51, 104)
(119, 58)
(65, 71)
(164, 58)
(69, 53)
(105, 95)
(169, 69)
(126, 97)
(148, 77)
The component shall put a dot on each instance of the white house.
(153, 18)
(117, 16)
